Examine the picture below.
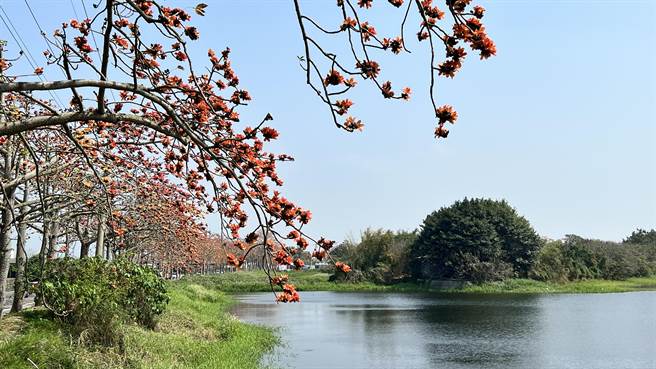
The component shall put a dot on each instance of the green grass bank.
(195, 332)
(318, 281)
(585, 286)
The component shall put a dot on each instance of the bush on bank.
(95, 296)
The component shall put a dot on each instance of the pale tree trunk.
(5, 243)
(100, 238)
(43, 252)
(67, 244)
(21, 256)
(54, 236)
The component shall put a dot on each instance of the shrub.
(578, 258)
(96, 296)
(354, 276)
(550, 264)
(145, 292)
(380, 257)
(32, 268)
(478, 271)
(485, 232)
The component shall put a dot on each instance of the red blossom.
(348, 23)
(406, 93)
(333, 78)
(365, 3)
(192, 33)
(352, 124)
(342, 267)
(369, 68)
(269, 133)
(343, 106)
(445, 114)
(478, 11)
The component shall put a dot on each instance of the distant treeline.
(578, 258)
(482, 240)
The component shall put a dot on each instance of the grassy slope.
(317, 281)
(195, 332)
(303, 280)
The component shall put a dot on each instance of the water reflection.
(368, 330)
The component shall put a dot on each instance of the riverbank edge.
(241, 282)
(195, 331)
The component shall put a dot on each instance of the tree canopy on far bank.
(642, 237)
(474, 239)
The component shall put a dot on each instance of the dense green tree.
(381, 256)
(474, 239)
(642, 237)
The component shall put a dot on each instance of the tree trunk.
(54, 235)
(5, 244)
(100, 237)
(67, 244)
(21, 257)
(84, 249)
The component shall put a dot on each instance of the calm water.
(369, 330)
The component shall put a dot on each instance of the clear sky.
(561, 123)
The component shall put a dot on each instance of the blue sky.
(561, 123)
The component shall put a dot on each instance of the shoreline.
(245, 282)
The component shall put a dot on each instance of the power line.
(43, 34)
(22, 42)
(25, 50)
(74, 10)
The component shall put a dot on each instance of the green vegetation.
(577, 258)
(194, 332)
(481, 241)
(319, 281)
(380, 257)
(585, 286)
(257, 281)
(642, 237)
(94, 297)
(32, 268)
(477, 240)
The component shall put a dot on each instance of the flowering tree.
(141, 113)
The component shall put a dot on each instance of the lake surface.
(375, 330)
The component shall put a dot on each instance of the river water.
(391, 330)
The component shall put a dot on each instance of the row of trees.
(484, 240)
(575, 258)
(110, 203)
(147, 142)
